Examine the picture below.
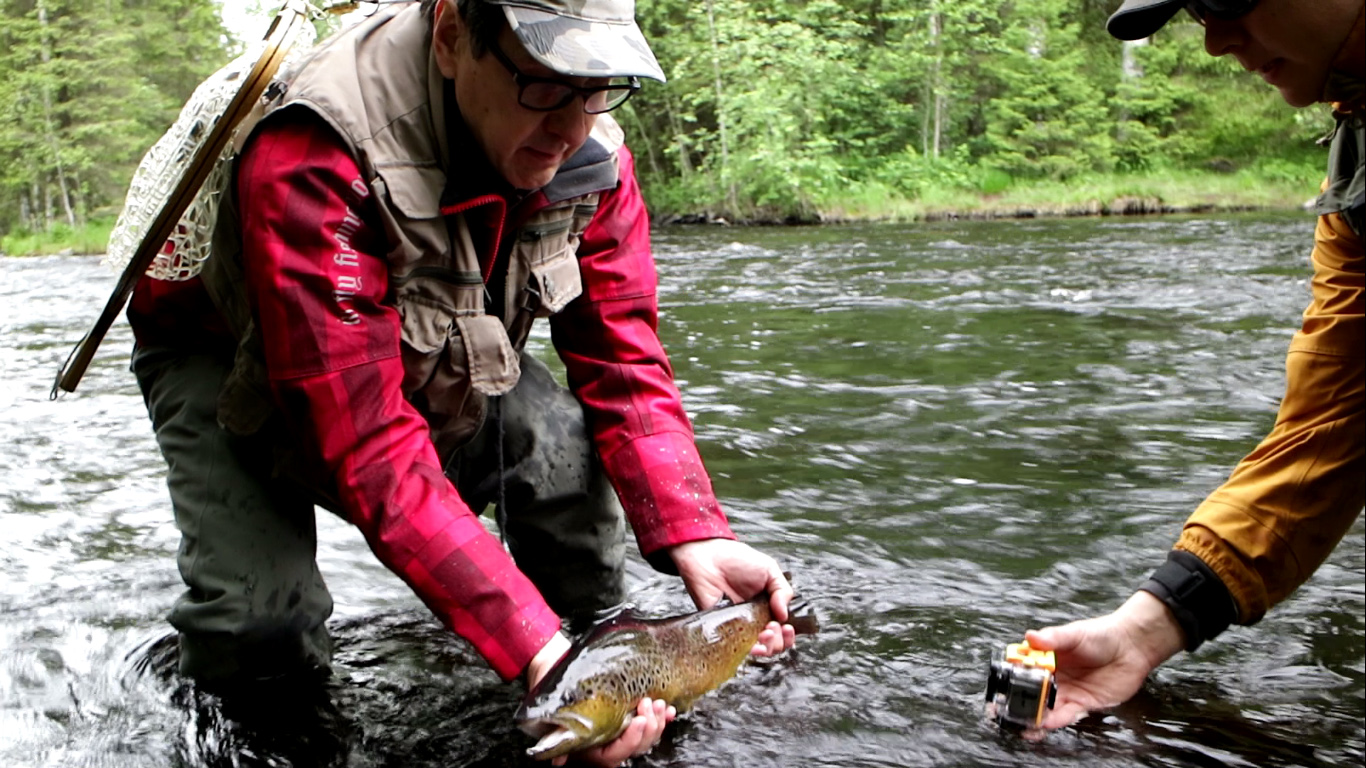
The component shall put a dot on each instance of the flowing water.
(948, 432)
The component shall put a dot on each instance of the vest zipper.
(533, 234)
(451, 276)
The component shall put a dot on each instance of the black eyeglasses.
(546, 94)
(1228, 10)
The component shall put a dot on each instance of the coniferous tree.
(88, 86)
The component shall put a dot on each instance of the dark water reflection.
(948, 432)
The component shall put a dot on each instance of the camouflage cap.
(583, 38)
(1137, 19)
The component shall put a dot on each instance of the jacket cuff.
(467, 579)
(666, 494)
(1198, 600)
(1244, 583)
(522, 642)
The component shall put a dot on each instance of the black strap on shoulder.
(1198, 599)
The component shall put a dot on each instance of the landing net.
(166, 162)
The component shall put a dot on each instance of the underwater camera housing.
(1021, 686)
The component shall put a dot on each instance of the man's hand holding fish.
(581, 694)
(641, 734)
(717, 568)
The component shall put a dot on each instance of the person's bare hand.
(1103, 661)
(546, 658)
(641, 735)
(716, 568)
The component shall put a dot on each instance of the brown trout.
(590, 696)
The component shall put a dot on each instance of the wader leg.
(256, 603)
(563, 522)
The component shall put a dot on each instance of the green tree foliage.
(773, 109)
(1048, 119)
(1147, 105)
(777, 109)
(86, 86)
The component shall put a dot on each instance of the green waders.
(563, 522)
(256, 604)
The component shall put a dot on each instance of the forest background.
(775, 110)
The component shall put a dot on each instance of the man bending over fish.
(424, 186)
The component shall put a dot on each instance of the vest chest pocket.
(549, 249)
(426, 329)
(558, 282)
(453, 354)
(448, 351)
(490, 360)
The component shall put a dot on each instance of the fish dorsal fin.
(619, 611)
(724, 602)
(587, 624)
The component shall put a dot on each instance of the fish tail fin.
(802, 616)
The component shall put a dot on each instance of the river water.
(947, 432)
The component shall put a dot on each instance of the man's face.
(1290, 43)
(524, 146)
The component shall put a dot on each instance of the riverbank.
(1169, 192)
(87, 239)
(1108, 195)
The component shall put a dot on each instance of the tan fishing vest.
(379, 87)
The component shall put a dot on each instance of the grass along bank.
(1101, 195)
(1168, 191)
(90, 238)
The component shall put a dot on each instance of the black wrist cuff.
(1199, 601)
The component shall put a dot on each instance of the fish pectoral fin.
(801, 615)
(551, 742)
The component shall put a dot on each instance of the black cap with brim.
(1137, 19)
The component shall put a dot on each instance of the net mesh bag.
(183, 255)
